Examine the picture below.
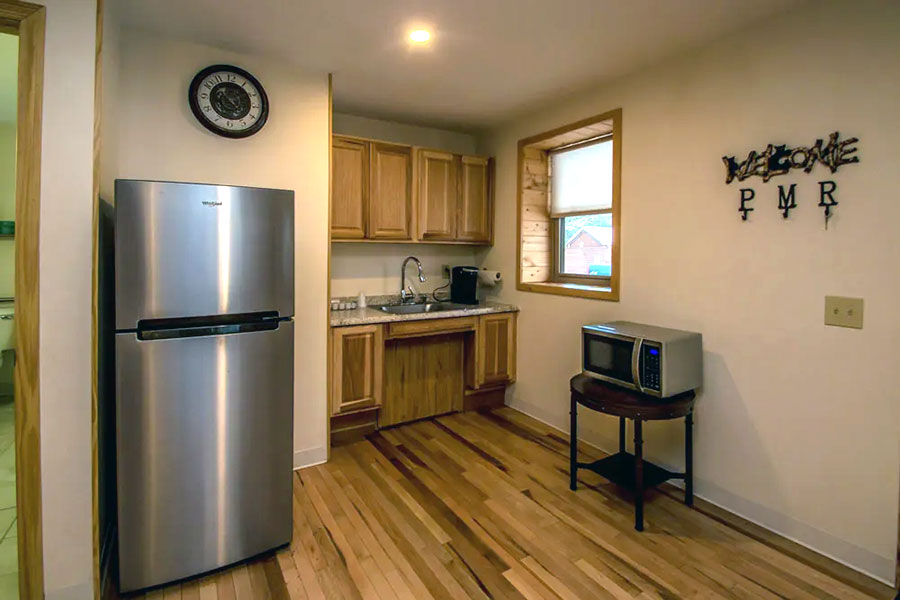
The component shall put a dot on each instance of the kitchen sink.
(428, 307)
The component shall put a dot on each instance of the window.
(581, 193)
(569, 197)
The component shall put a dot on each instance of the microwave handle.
(635, 363)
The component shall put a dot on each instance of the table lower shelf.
(619, 469)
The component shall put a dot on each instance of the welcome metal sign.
(782, 159)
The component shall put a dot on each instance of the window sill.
(594, 292)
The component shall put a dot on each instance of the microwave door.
(610, 358)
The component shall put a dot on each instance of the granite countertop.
(372, 315)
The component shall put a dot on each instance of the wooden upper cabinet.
(390, 192)
(349, 188)
(496, 349)
(382, 191)
(437, 195)
(358, 366)
(474, 200)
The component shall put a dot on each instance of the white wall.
(797, 424)
(375, 268)
(157, 137)
(65, 297)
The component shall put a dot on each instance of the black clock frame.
(198, 114)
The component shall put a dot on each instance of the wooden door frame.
(28, 22)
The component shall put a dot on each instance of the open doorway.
(21, 557)
(9, 568)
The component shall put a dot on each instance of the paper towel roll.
(489, 278)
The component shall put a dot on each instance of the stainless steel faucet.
(406, 294)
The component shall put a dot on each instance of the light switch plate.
(844, 312)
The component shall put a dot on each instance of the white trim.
(879, 568)
(310, 457)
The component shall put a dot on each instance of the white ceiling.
(490, 60)
(9, 68)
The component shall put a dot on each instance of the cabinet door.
(349, 188)
(437, 195)
(390, 192)
(474, 200)
(358, 364)
(496, 352)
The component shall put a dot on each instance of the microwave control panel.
(651, 374)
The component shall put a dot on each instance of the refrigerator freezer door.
(204, 451)
(193, 250)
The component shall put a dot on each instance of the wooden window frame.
(562, 284)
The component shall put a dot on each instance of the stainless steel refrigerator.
(204, 376)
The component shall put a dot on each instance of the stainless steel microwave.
(654, 360)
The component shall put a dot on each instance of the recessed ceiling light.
(419, 36)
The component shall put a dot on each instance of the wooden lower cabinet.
(409, 370)
(424, 377)
(358, 368)
(495, 360)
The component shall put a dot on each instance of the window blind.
(581, 179)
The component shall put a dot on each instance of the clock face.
(228, 101)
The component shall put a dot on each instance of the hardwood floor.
(477, 506)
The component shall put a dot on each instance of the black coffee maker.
(464, 285)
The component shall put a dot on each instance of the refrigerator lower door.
(204, 451)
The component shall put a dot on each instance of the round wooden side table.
(628, 470)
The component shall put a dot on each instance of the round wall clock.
(228, 101)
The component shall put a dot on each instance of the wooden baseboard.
(353, 427)
(484, 399)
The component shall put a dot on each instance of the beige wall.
(797, 423)
(65, 297)
(375, 268)
(403, 133)
(155, 136)
(7, 204)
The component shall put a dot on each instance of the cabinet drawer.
(431, 327)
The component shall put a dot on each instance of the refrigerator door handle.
(206, 330)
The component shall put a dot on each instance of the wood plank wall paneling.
(29, 21)
(534, 230)
(477, 506)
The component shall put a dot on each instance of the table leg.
(638, 475)
(573, 443)
(689, 459)
(621, 434)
